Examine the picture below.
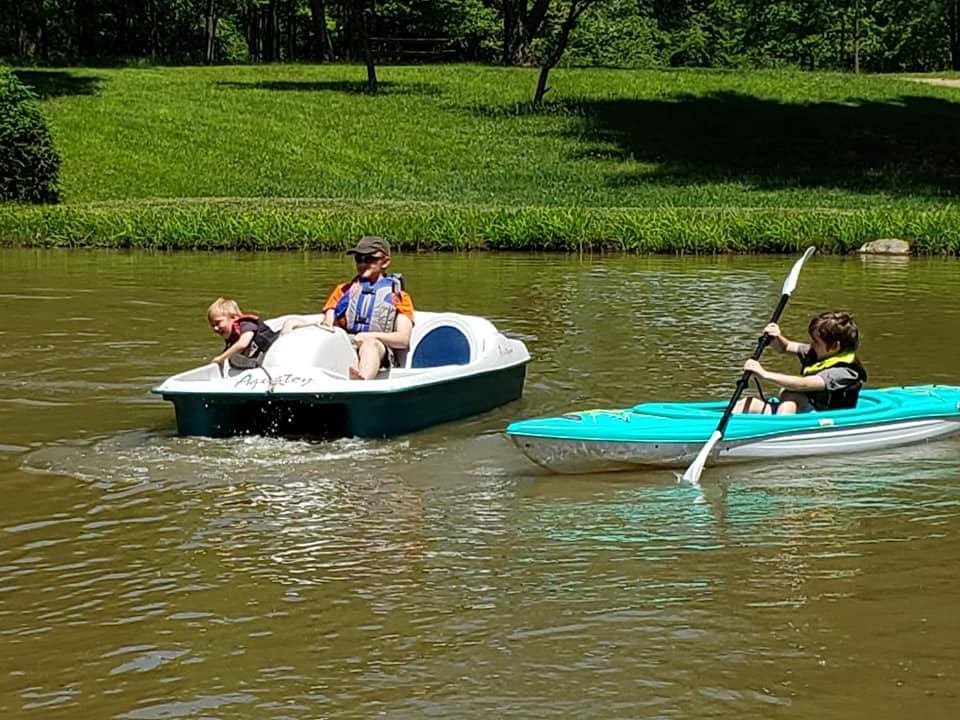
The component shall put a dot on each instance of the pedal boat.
(456, 366)
(669, 435)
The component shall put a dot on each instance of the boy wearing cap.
(372, 307)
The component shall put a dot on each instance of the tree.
(321, 47)
(521, 23)
(953, 32)
(557, 45)
(209, 54)
(869, 35)
(366, 16)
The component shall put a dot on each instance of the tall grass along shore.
(452, 157)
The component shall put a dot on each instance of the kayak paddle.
(693, 472)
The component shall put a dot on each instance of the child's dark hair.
(836, 327)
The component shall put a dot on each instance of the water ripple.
(144, 575)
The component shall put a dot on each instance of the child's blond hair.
(223, 307)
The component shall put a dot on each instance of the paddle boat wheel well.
(444, 339)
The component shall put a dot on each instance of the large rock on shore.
(885, 246)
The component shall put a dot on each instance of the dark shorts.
(389, 357)
(774, 404)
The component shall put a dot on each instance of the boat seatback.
(310, 348)
(442, 339)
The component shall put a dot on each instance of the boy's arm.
(778, 340)
(330, 306)
(398, 339)
(800, 383)
(242, 343)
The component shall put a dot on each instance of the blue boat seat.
(445, 339)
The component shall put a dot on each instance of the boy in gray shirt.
(830, 373)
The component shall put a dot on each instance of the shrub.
(231, 43)
(615, 34)
(29, 164)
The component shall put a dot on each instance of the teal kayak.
(670, 434)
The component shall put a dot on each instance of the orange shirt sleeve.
(405, 304)
(334, 298)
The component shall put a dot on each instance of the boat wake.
(173, 461)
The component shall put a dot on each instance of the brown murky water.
(143, 575)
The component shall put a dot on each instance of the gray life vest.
(370, 306)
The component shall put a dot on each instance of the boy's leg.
(753, 406)
(792, 403)
(370, 354)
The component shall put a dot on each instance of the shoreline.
(304, 224)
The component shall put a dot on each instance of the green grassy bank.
(452, 157)
(283, 224)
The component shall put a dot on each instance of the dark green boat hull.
(359, 414)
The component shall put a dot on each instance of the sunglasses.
(367, 259)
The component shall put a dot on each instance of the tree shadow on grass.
(348, 87)
(905, 147)
(57, 83)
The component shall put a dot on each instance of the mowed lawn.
(465, 135)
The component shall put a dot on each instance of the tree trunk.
(516, 44)
(520, 25)
(321, 47)
(559, 46)
(43, 39)
(86, 16)
(541, 86)
(953, 20)
(275, 30)
(211, 31)
(365, 19)
(16, 31)
(153, 20)
(250, 27)
(271, 32)
(842, 43)
(856, 37)
(291, 36)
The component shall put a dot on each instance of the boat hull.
(329, 415)
(669, 435)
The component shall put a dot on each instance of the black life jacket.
(263, 338)
(836, 399)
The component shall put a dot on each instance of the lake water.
(146, 576)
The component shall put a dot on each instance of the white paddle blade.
(693, 473)
(790, 284)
